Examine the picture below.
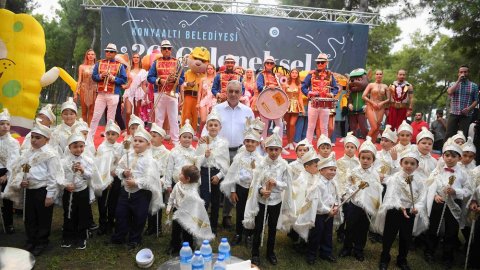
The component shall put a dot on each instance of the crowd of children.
(399, 189)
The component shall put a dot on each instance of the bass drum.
(272, 103)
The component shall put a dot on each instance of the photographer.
(463, 99)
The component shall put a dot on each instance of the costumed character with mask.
(356, 105)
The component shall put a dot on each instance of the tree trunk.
(93, 38)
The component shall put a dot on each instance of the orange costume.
(87, 89)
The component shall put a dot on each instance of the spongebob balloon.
(22, 50)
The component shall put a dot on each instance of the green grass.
(99, 256)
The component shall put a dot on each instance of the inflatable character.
(22, 68)
(197, 63)
(356, 105)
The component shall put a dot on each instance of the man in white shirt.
(233, 118)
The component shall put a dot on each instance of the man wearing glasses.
(219, 87)
(267, 79)
(110, 75)
(163, 75)
(319, 83)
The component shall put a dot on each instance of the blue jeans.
(300, 129)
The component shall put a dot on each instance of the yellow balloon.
(22, 51)
(68, 79)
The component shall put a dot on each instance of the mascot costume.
(356, 105)
(197, 63)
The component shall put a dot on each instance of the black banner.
(293, 43)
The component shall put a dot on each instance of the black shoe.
(29, 247)
(82, 244)
(93, 227)
(38, 250)
(10, 229)
(403, 266)
(345, 252)
(65, 244)
(101, 231)
(227, 223)
(255, 260)
(383, 266)
(132, 246)
(428, 257)
(310, 261)
(272, 259)
(329, 258)
(359, 256)
(237, 240)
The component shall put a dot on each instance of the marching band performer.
(219, 87)
(319, 83)
(166, 76)
(110, 75)
(401, 103)
(268, 79)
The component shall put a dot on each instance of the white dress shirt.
(233, 122)
(277, 170)
(179, 157)
(80, 181)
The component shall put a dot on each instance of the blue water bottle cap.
(185, 244)
(224, 239)
(206, 242)
(221, 257)
(197, 253)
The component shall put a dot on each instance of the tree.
(18, 6)
(461, 17)
(380, 41)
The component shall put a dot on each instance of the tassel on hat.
(469, 146)
(136, 120)
(405, 127)
(390, 134)
(69, 104)
(111, 126)
(323, 140)
(274, 140)
(48, 112)
(187, 128)
(5, 115)
(41, 129)
(350, 138)
(159, 130)
(367, 145)
(425, 133)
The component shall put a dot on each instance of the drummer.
(319, 83)
(267, 79)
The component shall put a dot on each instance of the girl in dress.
(86, 87)
(206, 100)
(292, 88)
(135, 96)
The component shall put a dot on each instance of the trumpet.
(105, 81)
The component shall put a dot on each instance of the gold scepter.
(267, 188)
(207, 140)
(409, 180)
(26, 169)
(473, 217)
(361, 186)
(451, 180)
(126, 146)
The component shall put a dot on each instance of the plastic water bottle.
(220, 263)
(197, 261)
(206, 251)
(224, 249)
(185, 257)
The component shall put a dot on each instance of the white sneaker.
(291, 147)
(167, 137)
(341, 140)
(285, 152)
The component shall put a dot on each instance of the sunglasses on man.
(166, 48)
(321, 62)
